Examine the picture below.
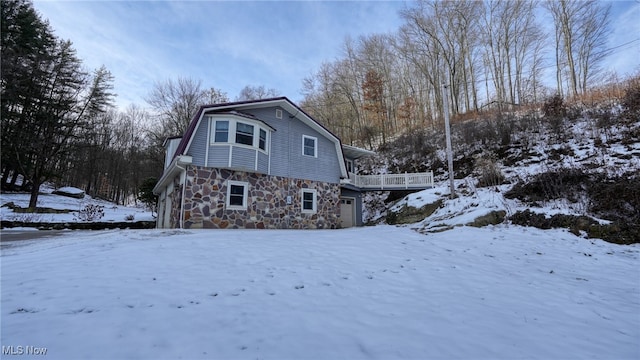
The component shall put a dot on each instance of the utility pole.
(445, 101)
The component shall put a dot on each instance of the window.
(262, 144)
(244, 134)
(350, 166)
(222, 131)
(309, 146)
(237, 195)
(308, 201)
(247, 132)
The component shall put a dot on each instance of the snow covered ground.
(384, 292)
(46, 199)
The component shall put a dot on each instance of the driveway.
(15, 235)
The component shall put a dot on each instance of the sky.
(231, 44)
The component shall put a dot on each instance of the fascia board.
(171, 171)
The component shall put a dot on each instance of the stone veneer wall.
(206, 193)
(176, 199)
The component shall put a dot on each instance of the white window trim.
(253, 133)
(315, 201)
(350, 162)
(244, 195)
(266, 139)
(315, 145)
(231, 135)
(212, 131)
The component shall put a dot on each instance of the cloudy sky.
(231, 44)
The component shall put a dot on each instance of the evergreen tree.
(146, 195)
(47, 99)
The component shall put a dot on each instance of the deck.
(404, 181)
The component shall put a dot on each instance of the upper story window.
(244, 134)
(349, 164)
(221, 131)
(262, 142)
(309, 146)
(254, 134)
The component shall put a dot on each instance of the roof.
(353, 152)
(164, 143)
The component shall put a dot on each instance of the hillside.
(56, 210)
(574, 167)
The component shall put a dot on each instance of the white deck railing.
(391, 181)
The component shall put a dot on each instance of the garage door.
(347, 212)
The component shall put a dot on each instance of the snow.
(420, 198)
(46, 199)
(386, 292)
(498, 292)
(475, 202)
(614, 158)
(71, 190)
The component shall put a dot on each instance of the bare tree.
(175, 102)
(330, 100)
(256, 93)
(444, 33)
(591, 49)
(581, 28)
(513, 42)
(216, 96)
(378, 55)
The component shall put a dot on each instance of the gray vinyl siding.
(263, 162)
(286, 149)
(219, 156)
(198, 146)
(243, 158)
(285, 153)
(324, 167)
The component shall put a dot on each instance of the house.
(261, 164)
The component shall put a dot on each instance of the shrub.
(616, 232)
(489, 173)
(565, 183)
(617, 199)
(505, 126)
(28, 217)
(555, 107)
(631, 99)
(130, 217)
(555, 112)
(90, 212)
(146, 195)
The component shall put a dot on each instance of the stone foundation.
(206, 193)
(176, 198)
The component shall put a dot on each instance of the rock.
(69, 192)
(409, 214)
(493, 218)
